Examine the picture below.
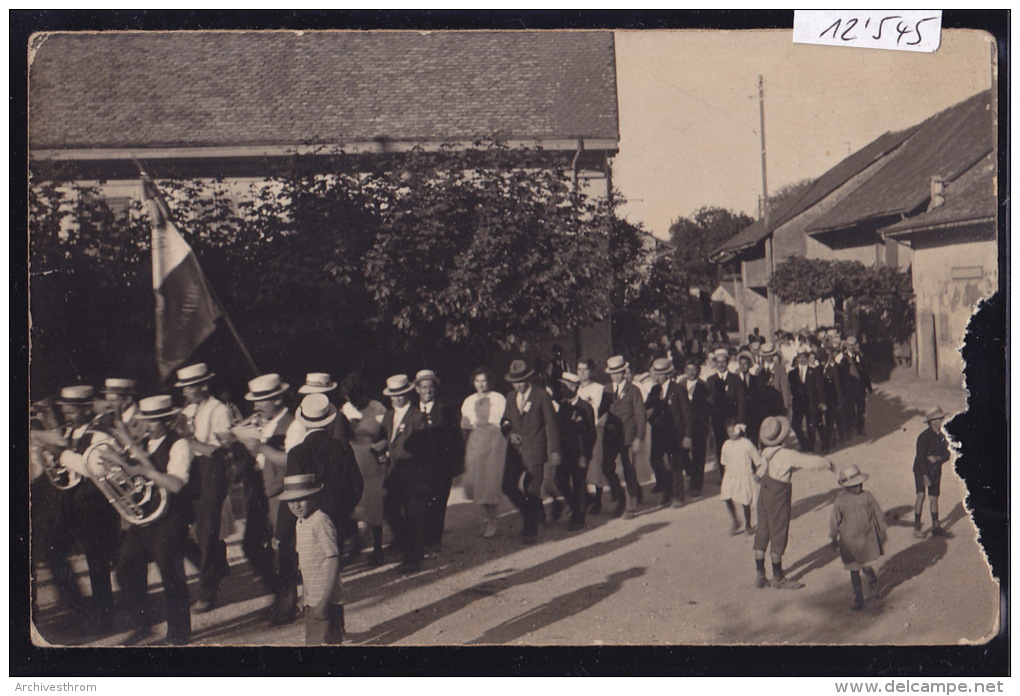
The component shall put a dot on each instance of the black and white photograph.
(506, 338)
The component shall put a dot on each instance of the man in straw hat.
(207, 425)
(263, 463)
(89, 519)
(165, 459)
(695, 406)
(666, 420)
(577, 439)
(775, 498)
(807, 398)
(447, 455)
(119, 393)
(625, 431)
(322, 383)
(932, 453)
(403, 438)
(530, 424)
(775, 383)
(726, 398)
(319, 554)
(331, 462)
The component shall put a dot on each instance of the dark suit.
(626, 422)
(577, 439)
(696, 414)
(665, 416)
(833, 430)
(728, 401)
(752, 397)
(807, 396)
(773, 401)
(525, 463)
(447, 463)
(406, 486)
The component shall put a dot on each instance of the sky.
(689, 113)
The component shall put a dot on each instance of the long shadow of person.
(916, 558)
(819, 558)
(899, 516)
(557, 609)
(404, 625)
(817, 501)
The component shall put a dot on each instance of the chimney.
(938, 192)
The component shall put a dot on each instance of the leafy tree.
(886, 293)
(695, 237)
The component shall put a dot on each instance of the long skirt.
(484, 459)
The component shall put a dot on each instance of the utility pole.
(769, 258)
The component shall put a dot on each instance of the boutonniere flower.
(402, 428)
(527, 407)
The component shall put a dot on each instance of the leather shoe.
(678, 503)
(203, 605)
(785, 583)
(629, 514)
(618, 510)
(658, 488)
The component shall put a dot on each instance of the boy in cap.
(318, 550)
(932, 453)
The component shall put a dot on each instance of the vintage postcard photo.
(516, 338)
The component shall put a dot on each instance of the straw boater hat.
(298, 487)
(746, 354)
(768, 349)
(519, 372)
(721, 353)
(315, 411)
(851, 476)
(571, 379)
(78, 395)
(265, 387)
(397, 385)
(316, 383)
(156, 407)
(774, 430)
(616, 364)
(933, 414)
(424, 375)
(117, 385)
(662, 366)
(193, 374)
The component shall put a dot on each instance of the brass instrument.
(137, 499)
(47, 430)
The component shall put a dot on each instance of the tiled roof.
(947, 144)
(970, 198)
(821, 188)
(123, 90)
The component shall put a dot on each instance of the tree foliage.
(884, 293)
(433, 254)
(695, 237)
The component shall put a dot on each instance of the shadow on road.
(811, 503)
(405, 625)
(899, 516)
(817, 559)
(916, 558)
(557, 609)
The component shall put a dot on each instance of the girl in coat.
(857, 529)
(740, 458)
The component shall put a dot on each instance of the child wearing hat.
(932, 453)
(857, 530)
(319, 560)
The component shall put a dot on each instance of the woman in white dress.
(366, 416)
(485, 452)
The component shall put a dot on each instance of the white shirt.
(207, 419)
(179, 463)
(398, 418)
(691, 385)
(664, 388)
(295, 435)
(780, 463)
(803, 372)
(469, 413)
(73, 460)
(316, 542)
(592, 393)
(523, 399)
(427, 408)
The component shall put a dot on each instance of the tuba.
(138, 500)
(43, 419)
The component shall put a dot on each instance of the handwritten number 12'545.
(853, 25)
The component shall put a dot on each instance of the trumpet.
(138, 500)
(48, 431)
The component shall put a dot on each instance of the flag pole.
(226, 316)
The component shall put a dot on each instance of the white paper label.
(895, 30)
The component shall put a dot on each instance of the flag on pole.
(186, 308)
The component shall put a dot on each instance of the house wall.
(952, 272)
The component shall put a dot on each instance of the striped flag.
(186, 309)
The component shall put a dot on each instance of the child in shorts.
(857, 530)
(318, 560)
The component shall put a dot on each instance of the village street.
(670, 576)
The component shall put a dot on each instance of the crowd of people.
(348, 464)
